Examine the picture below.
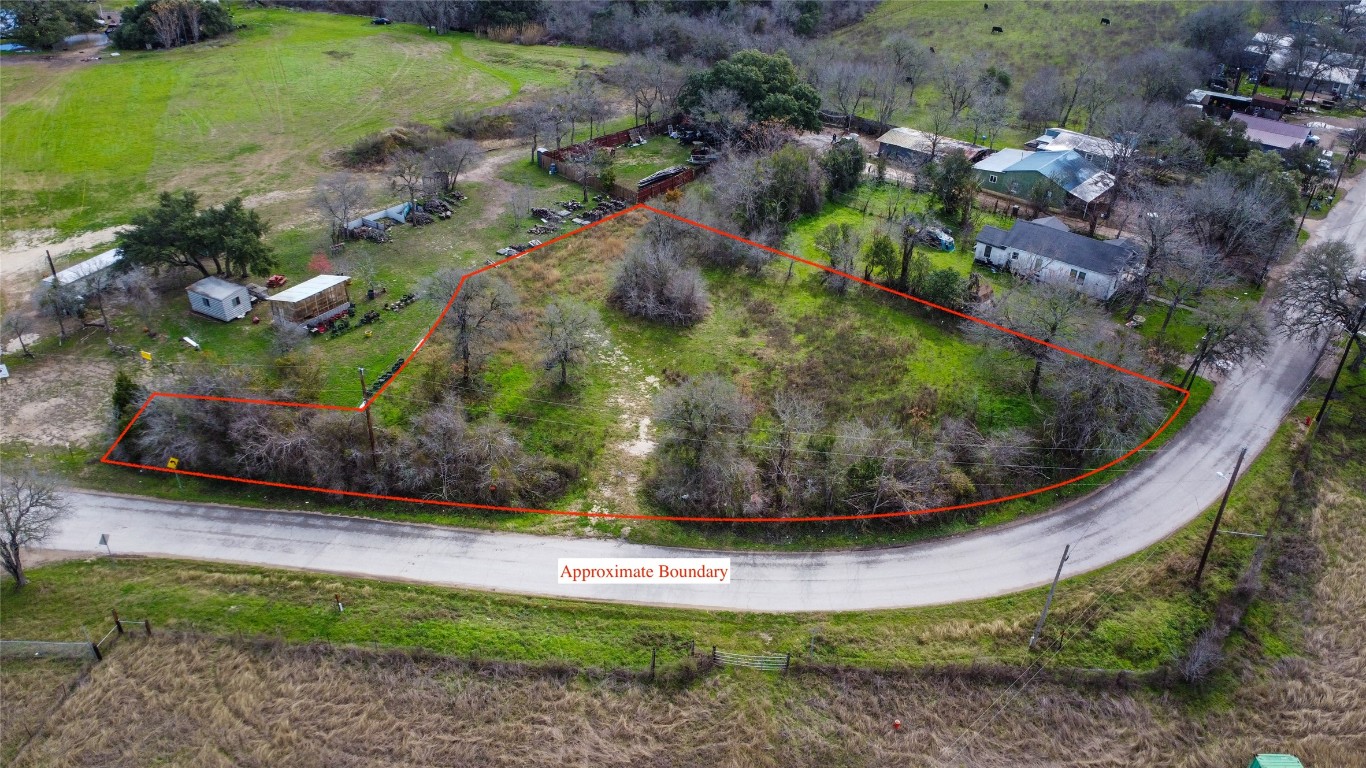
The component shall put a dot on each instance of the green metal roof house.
(1071, 179)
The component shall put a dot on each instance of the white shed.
(219, 299)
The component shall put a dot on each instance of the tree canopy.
(171, 23)
(768, 85)
(176, 233)
(45, 23)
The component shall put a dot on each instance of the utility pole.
(1218, 516)
(1333, 385)
(1038, 628)
(369, 422)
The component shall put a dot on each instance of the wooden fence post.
(787, 664)
(147, 626)
(117, 623)
(98, 656)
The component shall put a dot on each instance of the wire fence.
(45, 649)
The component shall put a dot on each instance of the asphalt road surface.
(1167, 491)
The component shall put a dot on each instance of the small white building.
(1047, 251)
(219, 299)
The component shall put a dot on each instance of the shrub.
(376, 149)
(653, 283)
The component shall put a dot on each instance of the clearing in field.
(619, 426)
(257, 111)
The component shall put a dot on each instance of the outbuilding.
(907, 146)
(1068, 179)
(219, 299)
(312, 301)
(79, 273)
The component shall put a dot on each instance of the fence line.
(12, 649)
(768, 662)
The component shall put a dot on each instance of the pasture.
(255, 112)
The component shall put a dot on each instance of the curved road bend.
(1142, 507)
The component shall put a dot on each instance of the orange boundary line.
(607, 515)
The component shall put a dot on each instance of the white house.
(1048, 251)
(219, 299)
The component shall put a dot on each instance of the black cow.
(996, 30)
(1105, 22)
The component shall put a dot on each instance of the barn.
(219, 299)
(311, 301)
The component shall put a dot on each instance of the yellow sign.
(172, 463)
(146, 355)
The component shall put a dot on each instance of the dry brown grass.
(29, 690)
(202, 702)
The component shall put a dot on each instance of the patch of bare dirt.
(56, 400)
(617, 479)
(26, 250)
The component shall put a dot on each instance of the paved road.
(1141, 508)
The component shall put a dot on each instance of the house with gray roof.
(1047, 251)
(1068, 177)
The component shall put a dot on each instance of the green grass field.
(85, 144)
(1066, 34)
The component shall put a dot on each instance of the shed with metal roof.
(311, 301)
(77, 273)
(219, 299)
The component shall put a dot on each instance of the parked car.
(380, 20)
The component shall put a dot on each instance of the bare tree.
(845, 84)
(1047, 312)
(1235, 332)
(840, 243)
(701, 467)
(796, 419)
(17, 326)
(31, 507)
(482, 314)
(534, 121)
(166, 20)
(338, 197)
(1323, 294)
(1099, 412)
(957, 80)
(889, 94)
(447, 161)
(192, 11)
(989, 113)
(407, 174)
(569, 330)
(1189, 273)
(653, 282)
(1041, 98)
(1161, 235)
(911, 57)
